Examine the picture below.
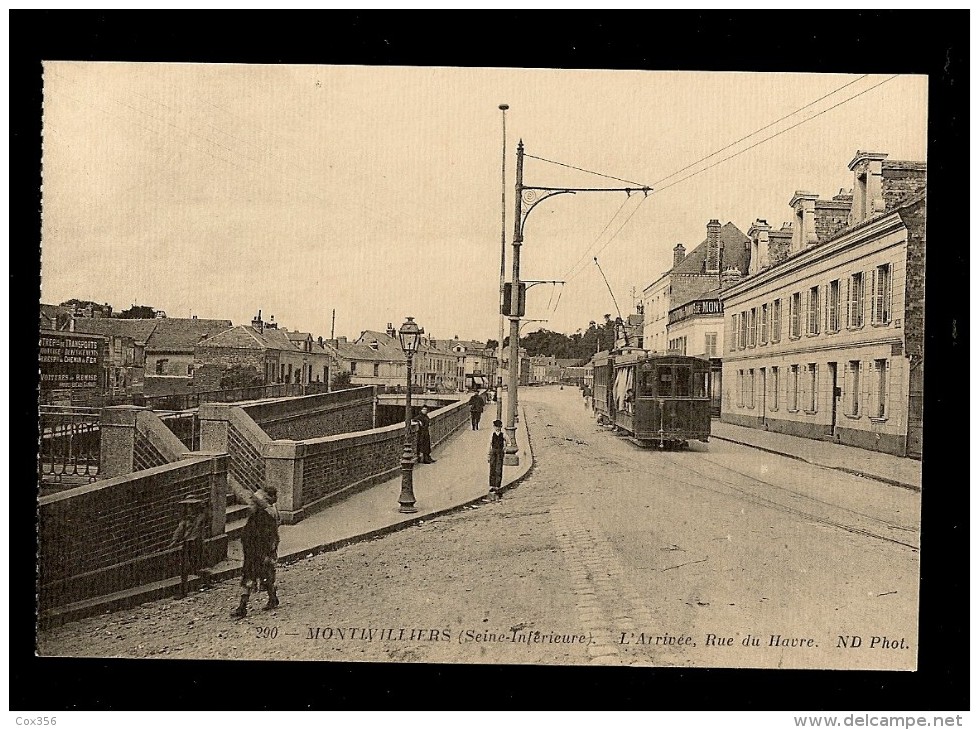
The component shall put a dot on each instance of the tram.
(661, 399)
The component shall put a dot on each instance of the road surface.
(608, 553)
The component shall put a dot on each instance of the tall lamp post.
(499, 345)
(410, 335)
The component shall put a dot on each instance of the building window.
(794, 303)
(161, 366)
(763, 325)
(882, 295)
(776, 320)
(710, 344)
(774, 379)
(743, 331)
(833, 307)
(880, 389)
(853, 383)
(377, 369)
(812, 320)
(733, 335)
(794, 388)
(854, 303)
(190, 369)
(751, 388)
(752, 326)
(811, 387)
(353, 368)
(740, 388)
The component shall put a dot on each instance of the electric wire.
(760, 129)
(590, 172)
(748, 148)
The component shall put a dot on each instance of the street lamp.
(410, 335)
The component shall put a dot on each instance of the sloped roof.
(140, 330)
(734, 252)
(178, 335)
(241, 337)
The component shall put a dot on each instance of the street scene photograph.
(495, 366)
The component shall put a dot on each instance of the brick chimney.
(713, 262)
(390, 330)
(804, 225)
(679, 253)
(729, 277)
(758, 235)
(257, 323)
(868, 197)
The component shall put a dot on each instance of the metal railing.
(185, 426)
(69, 446)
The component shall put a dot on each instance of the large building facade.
(826, 340)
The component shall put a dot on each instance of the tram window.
(700, 384)
(664, 380)
(683, 381)
(647, 386)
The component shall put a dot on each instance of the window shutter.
(869, 276)
(887, 387)
(874, 297)
(815, 388)
(849, 303)
(890, 293)
(864, 390)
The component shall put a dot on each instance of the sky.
(217, 190)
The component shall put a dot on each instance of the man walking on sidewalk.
(476, 404)
(424, 438)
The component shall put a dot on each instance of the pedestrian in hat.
(495, 458)
(260, 545)
(424, 438)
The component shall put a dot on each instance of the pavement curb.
(852, 472)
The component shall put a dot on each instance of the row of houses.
(816, 328)
(172, 356)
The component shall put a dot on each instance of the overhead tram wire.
(761, 129)
(572, 274)
(581, 169)
(756, 144)
(598, 237)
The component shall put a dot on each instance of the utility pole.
(510, 457)
(499, 344)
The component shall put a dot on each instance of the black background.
(854, 42)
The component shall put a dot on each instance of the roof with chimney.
(468, 346)
(734, 253)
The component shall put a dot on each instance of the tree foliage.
(240, 376)
(580, 345)
(340, 381)
(137, 311)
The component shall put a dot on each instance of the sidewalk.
(459, 477)
(896, 470)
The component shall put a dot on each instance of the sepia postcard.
(481, 365)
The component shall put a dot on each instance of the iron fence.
(70, 442)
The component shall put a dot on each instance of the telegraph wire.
(746, 149)
(761, 129)
(773, 136)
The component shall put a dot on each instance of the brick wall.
(346, 463)
(685, 286)
(115, 534)
(831, 218)
(145, 454)
(314, 416)
(914, 293)
(213, 361)
(246, 462)
(901, 183)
